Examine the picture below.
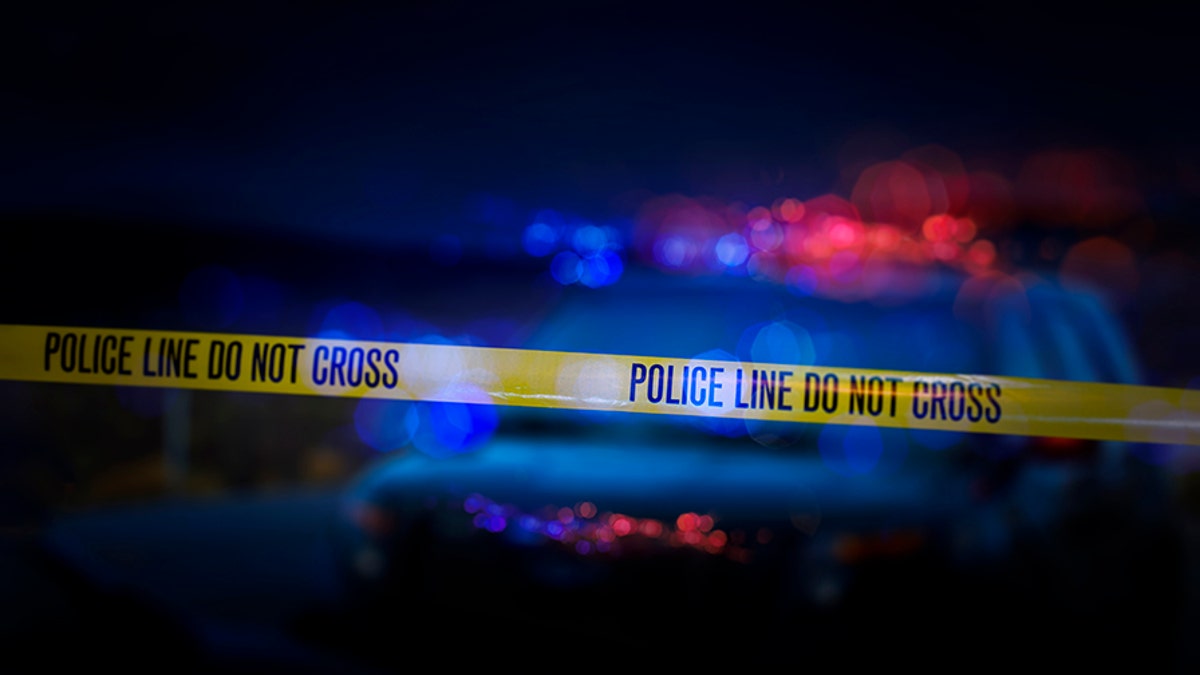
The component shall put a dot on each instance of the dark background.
(386, 124)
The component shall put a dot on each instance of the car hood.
(654, 481)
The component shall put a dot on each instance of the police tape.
(604, 382)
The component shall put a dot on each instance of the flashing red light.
(791, 210)
(687, 522)
(622, 526)
(885, 237)
(940, 227)
(651, 528)
(845, 233)
(981, 255)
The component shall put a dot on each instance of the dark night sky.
(389, 124)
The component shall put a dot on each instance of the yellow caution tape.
(576, 381)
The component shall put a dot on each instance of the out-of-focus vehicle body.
(796, 536)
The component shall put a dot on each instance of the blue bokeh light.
(602, 269)
(540, 239)
(386, 425)
(589, 240)
(674, 251)
(448, 429)
(778, 342)
(566, 268)
(732, 250)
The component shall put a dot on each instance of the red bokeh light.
(687, 522)
(622, 526)
(651, 528)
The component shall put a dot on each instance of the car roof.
(1049, 333)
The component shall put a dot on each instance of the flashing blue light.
(674, 251)
(473, 503)
(386, 425)
(496, 523)
(566, 267)
(530, 523)
(480, 520)
(589, 240)
(780, 342)
(732, 250)
(554, 529)
(601, 269)
(583, 547)
(454, 428)
(540, 239)
(211, 297)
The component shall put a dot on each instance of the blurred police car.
(637, 527)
